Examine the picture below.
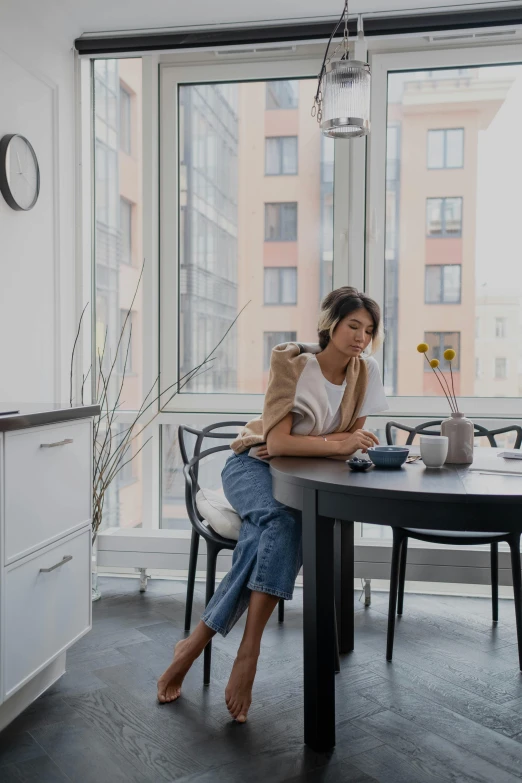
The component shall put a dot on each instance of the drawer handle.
(61, 563)
(58, 443)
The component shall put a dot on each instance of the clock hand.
(19, 163)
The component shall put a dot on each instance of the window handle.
(58, 443)
(57, 565)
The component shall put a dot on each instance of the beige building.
(431, 223)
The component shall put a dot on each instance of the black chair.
(215, 542)
(401, 535)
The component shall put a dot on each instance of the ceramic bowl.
(358, 464)
(388, 456)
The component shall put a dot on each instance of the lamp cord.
(344, 16)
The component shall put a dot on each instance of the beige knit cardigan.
(286, 367)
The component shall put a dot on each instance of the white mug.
(434, 450)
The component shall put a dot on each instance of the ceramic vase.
(460, 433)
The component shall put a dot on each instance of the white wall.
(37, 248)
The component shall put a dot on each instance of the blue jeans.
(268, 554)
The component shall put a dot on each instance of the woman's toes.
(241, 718)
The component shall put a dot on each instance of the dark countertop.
(34, 415)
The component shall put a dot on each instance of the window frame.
(442, 300)
(280, 270)
(280, 155)
(444, 149)
(383, 63)
(444, 234)
(127, 150)
(348, 242)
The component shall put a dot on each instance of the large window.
(271, 339)
(444, 217)
(117, 231)
(442, 284)
(500, 368)
(280, 155)
(282, 94)
(281, 222)
(280, 285)
(446, 148)
(239, 240)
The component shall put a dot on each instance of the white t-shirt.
(374, 399)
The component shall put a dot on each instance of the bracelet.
(325, 439)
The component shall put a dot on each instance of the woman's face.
(354, 333)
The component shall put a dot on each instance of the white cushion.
(218, 513)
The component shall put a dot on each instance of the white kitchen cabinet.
(45, 548)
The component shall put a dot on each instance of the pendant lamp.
(342, 100)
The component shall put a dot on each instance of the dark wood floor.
(449, 707)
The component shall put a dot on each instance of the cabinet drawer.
(45, 610)
(48, 485)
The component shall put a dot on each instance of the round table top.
(484, 479)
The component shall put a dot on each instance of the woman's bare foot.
(169, 684)
(238, 693)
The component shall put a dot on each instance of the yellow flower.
(449, 354)
(434, 363)
(423, 348)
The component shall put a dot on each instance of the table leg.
(344, 575)
(318, 626)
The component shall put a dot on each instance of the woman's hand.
(360, 439)
(262, 452)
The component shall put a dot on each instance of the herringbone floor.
(449, 707)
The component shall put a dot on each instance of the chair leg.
(281, 611)
(212, 554)
(193, 559)
(398, 539)
(402, 575)
(494, 581)
(514, 545)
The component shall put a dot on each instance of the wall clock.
(19, 172)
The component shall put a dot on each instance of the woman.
(316, 405)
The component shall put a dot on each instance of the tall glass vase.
(460, 433)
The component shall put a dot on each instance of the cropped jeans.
(268, 554)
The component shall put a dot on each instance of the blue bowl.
(388, 456)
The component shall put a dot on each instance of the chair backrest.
(426, 429)
(192, 462)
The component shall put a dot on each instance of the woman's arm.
(280, 442)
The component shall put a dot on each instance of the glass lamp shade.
(346, 99)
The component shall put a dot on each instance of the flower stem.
(453, 387)
(441, 386)
(452, 403)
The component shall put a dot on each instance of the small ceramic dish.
(388, 456)
(357, 464)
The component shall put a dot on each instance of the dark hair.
(340, 303)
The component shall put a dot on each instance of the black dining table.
(483, 496)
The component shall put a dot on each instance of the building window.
(282, 94)
(500, 369)
(280, 155)
(280, 285)
(444, 217)
(442, 284)
(125, 120)
(500, 327)
(446, 148)
(271, 339)
(477, 367)
(440, 342)
(281, 222)
(126, 231)
(125, 350)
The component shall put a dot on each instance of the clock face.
(19, 172)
